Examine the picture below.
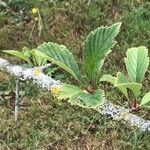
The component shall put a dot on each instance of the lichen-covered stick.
(34, 74)
(16, 99)
(116, 112)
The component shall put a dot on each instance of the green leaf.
(97, 47)
(67, 91)
(26, 52)
(120, 83)
(123, 84)
(87, 100)
(108, 78)
(38, 59)
(114, 81)
(61, 56)
(137, 62)
(18, 55)
(145, 100)
(134, 87)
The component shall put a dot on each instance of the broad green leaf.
(108, 78)
(61, 56)
(137, 62)
(97, 47)
(114, 81)
(18, 55)
(87, 100)
(123, 84)
(39, 60)
(67, 91)
(145, 100)
(134, 87)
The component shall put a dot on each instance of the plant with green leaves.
(97, 46)
(32, 59)
(136, 62)
(29, 56)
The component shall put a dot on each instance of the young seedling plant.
(29, 56)
(97, 46)
(136, 62)
(87, 92)
(32, 60)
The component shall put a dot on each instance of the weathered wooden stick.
(35, 74)
(16, 99)
(45, 82)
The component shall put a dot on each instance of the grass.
(44, 123)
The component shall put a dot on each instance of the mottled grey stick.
(16, 99)
(45, 82)
(121, 114)
(35, 74)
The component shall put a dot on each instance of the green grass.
(44, 123)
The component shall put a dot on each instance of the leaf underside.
(67, 91)
(87, 100)
(77, 96)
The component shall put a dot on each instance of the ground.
(44, 123)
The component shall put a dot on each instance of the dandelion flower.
(37, 72)
(36, 19)
(35, 10)
(55, 90)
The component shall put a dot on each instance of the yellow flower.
(125, 116)
(55, 90)
(36, 19)
(35, 10)
(37, 71)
